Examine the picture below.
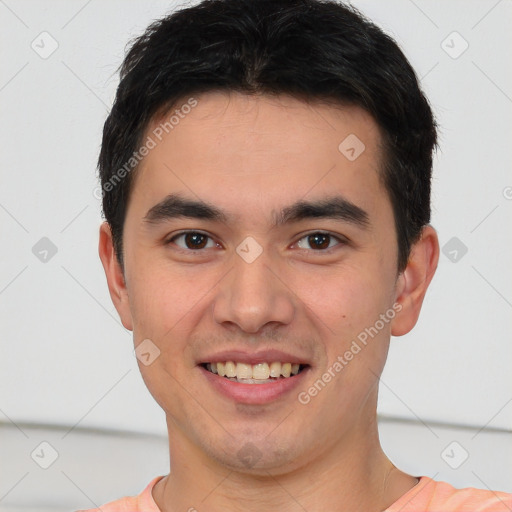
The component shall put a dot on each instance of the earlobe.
(414, 280)
(114, 274)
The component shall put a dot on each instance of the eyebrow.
(174, 206)
(336, 208)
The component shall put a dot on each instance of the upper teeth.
(260, 371)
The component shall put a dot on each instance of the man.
(266, 186)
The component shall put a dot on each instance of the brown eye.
(318, 241)
(195, 240)
(192, 240)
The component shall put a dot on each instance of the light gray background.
(67, 360)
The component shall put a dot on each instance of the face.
(252, 238)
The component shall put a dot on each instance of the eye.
(319, 241)
(192, 240)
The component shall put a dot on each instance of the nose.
(254, 294)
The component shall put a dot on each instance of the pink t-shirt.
(426, 496)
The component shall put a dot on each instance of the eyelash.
(340, 240)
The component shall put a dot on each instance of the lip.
(254, 394)
(263, 356)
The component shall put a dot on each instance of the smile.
(255, 384)
(260, 373)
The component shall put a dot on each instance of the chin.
(255, 455)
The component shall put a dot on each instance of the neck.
(352, 474)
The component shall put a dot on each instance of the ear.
(413, 282)
(115, 277)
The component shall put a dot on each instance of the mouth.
(260, 373)
(256, 379)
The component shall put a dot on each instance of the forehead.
(235, 148)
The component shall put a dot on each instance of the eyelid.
(339, 238)
(170, 239)
(342, 240)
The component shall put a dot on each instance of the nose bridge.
(252, 295)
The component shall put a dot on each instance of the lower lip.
(255, 394)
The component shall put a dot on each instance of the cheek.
(162, 301)
(347, 305)
(344, 299)
(165, 308)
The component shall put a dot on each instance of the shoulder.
(143, 502)
(128, 503)
(473, 499)
(434, 496)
